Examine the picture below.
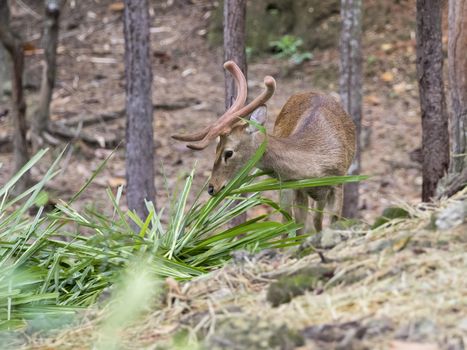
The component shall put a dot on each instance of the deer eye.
(227, 155)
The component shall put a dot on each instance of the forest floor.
(400, 286)
(188, 71)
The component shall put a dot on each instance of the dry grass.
(404, 280)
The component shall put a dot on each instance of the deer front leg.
(286, 199)
(301, 209)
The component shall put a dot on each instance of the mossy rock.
(390, 214)
(289, 286)
(317, 23)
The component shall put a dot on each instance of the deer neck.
(278, 156)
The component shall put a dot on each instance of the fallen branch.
(454, 184)
(64, 131)
(64, 128)
(87, 120)
(179, 104)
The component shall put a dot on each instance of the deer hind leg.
(334, 203)
(338, 202)
(301, 209)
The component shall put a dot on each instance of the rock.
(331, 238)
(418, 331)
(453, 215)
(253, 333)
(289, 286)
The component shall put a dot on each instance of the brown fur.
(313, 137)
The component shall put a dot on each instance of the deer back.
(318, 124)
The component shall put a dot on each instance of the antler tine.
(225, 125)
(240, 85)
(242, 92)
(270, 84)
(192, 137)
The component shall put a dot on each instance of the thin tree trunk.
(15, 49)
(50, 42)
(351, 88)
(5, 71)
(234, 43)
(139, 128)
(435, 137)
(234, 49)
(457, 64)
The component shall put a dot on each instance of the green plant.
(55, 263)
(287, 47)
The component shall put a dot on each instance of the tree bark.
(234, 43)
(435, 137)
(350, 85)
(457, 66)
(139, 125)
(50, 42)
(234, 49)
(5, 71)
(14, 47)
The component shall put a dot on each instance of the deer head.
(237, 138)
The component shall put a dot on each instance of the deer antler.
(242, 91)
(224, 124)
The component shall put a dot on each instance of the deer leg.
(335, 202)
(286, 198)
(338, 202)
(301, 210)
(318, 215)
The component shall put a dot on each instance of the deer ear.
(259, 116)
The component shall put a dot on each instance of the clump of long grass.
(49, 268)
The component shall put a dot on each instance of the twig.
(28, 9)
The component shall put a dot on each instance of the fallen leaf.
(117, 6)
(386, 47)
(115, 182)
(373, 100)
(387, 76)
(402, 87)
(401, 243)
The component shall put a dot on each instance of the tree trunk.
(5, 72)
(50, 42)
(435, 138)
(234, 49)
(351, 88)
(139, 128)
(234, 43)
(457, 66)
(15, 49)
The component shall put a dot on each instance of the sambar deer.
(313, 137)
